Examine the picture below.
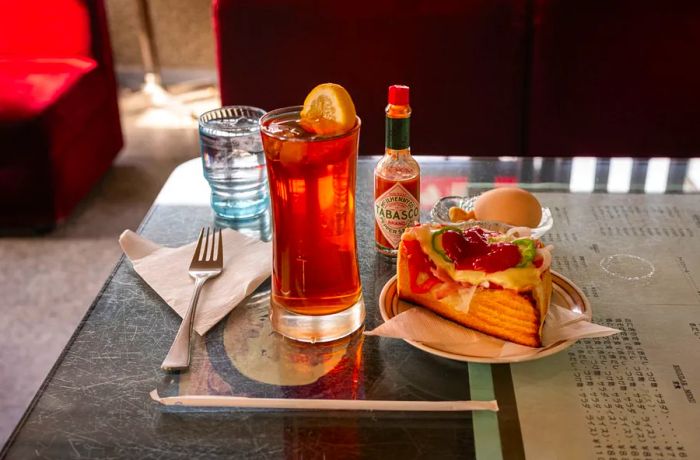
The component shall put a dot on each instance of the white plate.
(564, 293)
(440, 214)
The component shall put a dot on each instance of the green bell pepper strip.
(437, 242)
(528, 250)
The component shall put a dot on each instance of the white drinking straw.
(324, 404)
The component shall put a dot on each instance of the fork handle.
(178, 357)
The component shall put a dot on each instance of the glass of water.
(234, 162)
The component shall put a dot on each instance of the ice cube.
(275, 128)
(292, 152)
(296, 131)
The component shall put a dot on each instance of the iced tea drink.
(315, 275)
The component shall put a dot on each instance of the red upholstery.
(59, 120)
(28, 86)
(463, 59)
(46, 28)
(615, 78)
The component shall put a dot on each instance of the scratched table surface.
(95, 401)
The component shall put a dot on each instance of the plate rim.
(588, 312)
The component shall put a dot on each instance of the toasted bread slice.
(516, 315)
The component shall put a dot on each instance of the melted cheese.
(511, 278)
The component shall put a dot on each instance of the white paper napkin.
(422, 325)
(247, 263)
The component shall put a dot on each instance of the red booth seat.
(496, 77)
(615, 78)
(59, 120)
(464, 61)
(30, 86)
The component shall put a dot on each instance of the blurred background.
(99, 103)
(182, 32)
(50, 275)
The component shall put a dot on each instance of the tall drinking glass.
(316, 291)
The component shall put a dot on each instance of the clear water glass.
(258, 227)
(234, 162)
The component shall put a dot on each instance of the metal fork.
(205, 264)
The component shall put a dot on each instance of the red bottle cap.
(398, 95)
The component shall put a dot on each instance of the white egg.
(510, 205)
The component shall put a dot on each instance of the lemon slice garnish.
(328, 110)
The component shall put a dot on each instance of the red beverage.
(312, 190)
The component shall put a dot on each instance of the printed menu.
(634, 395)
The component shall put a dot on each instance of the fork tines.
(213, 247)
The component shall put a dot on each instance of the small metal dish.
(440, 214)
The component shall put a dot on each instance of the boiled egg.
(510, 205)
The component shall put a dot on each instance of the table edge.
(52, 372)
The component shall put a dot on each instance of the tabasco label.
(394, 210)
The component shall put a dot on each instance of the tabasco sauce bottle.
(396, 177)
